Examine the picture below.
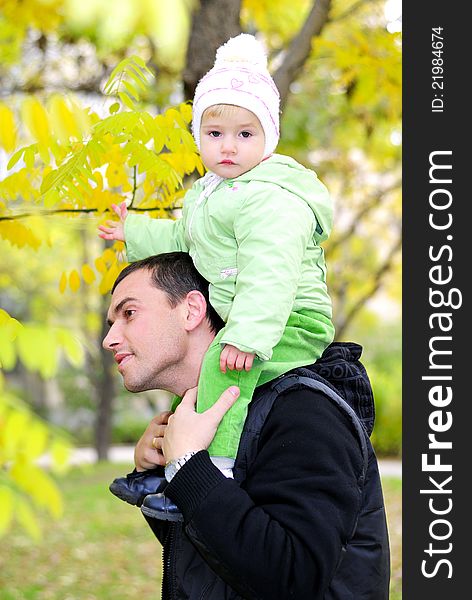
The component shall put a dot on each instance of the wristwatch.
(173, 466)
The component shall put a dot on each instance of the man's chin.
(132, 387)
(136, 386)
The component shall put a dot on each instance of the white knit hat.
(240, 77)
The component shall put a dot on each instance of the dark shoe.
(136, 486)
(158, 506)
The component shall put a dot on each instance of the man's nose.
(111, 338)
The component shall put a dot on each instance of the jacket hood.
(290, 175)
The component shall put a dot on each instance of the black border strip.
(436, 310)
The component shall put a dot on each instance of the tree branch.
(376, 284)
(83, 211)
(359, 216)
(353, 8)
(300, 48)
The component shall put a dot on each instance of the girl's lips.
(226, 162)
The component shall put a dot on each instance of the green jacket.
(256, 239)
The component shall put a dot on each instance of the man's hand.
(115, 230)
(189, 431)
(148, 451)
(232, 358)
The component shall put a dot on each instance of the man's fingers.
(189, 398)
(162, 418)
(224, 403)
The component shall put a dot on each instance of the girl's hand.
(232, 358)
(115, 230)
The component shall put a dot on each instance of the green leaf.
(15, 158)
(64, 173)
(126, 100)
(131, 90)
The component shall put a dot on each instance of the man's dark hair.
(175, 274)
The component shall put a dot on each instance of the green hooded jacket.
(256, 239)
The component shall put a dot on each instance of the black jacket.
(304, 518)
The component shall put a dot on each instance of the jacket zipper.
(168, 561)
(195, 208)
(203, 196)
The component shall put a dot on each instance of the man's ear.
(196, 307)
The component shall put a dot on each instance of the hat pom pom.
(243, 48)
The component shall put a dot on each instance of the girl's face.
(233, 143)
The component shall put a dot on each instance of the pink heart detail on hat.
(236, 83)
(253, 78)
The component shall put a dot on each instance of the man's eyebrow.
(120, 305)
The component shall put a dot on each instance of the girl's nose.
(228, 145)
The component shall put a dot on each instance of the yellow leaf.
(74, 280)
(82, 117)
(6, 508)
(7, 355)
(34, 444)
(63, 282)
(27, 519)
(9, 325)
(87, 274)
(71, 346)
(9, 329)
(60, 454)
(186, 111)
(63, 120)
(109, 256)
(38, 485)
(18, 234)
(7, 128)
(109, 278)
(37, 350)
(16, 424)
(100, 264)
(51, 198)
(36, 119)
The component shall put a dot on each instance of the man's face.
(232, 144)
(146, 335)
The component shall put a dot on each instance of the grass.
(101, 549)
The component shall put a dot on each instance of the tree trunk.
(213, 23)
(105, 392)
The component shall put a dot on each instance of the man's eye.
(246, 134)
(129, 312)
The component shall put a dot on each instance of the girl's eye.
(246, 134)
(214, 134)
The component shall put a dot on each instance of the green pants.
(305, 337)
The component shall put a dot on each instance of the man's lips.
(122, 358)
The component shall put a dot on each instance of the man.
(304, 516)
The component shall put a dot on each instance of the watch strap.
(174, 465)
